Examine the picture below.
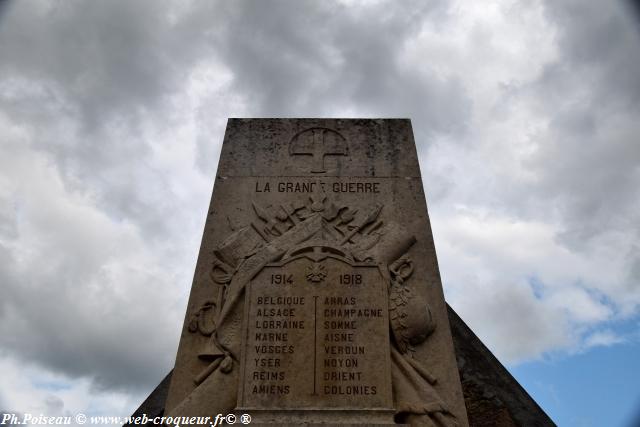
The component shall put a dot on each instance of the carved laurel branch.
(272, 234)
(333, 225)
(342, 225)
(399, 297)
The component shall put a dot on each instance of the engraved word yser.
(317, 297)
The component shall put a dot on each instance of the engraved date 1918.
(282, 279)
(351, 279)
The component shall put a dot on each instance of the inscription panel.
(317, 285)
(317, 337)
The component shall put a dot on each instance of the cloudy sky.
(111, 120)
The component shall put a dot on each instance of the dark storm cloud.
(589, 165)
(581, 173)
(112, 345)
(64, 316)
(113, 58)
(316, 58)
(81, 80)
(84, 78)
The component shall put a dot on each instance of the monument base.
(326, 425)
(370, 417)
(317, 297)
(492, 396)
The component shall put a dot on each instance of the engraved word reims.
(317, 297)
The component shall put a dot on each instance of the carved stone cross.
(321, 306)
(318, 142)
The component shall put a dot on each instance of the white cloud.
(605, 338)
(83, 282)
(38, 391)
(541, 193)
(112, 116)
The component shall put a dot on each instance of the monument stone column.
(317, 297)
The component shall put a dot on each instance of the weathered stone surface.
(154, 404)
(317, 295)
(492, 396)
(331, 337)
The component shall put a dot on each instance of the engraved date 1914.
(282, 279)
(345, 279)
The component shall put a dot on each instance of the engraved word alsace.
(306, 305)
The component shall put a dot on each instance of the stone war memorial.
(317, 298)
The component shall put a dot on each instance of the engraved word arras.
(318, 142)
(326, 340)
(317, 297)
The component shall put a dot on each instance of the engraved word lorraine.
(318, 142)
(317, 297)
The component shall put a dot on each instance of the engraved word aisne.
(318, 142)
